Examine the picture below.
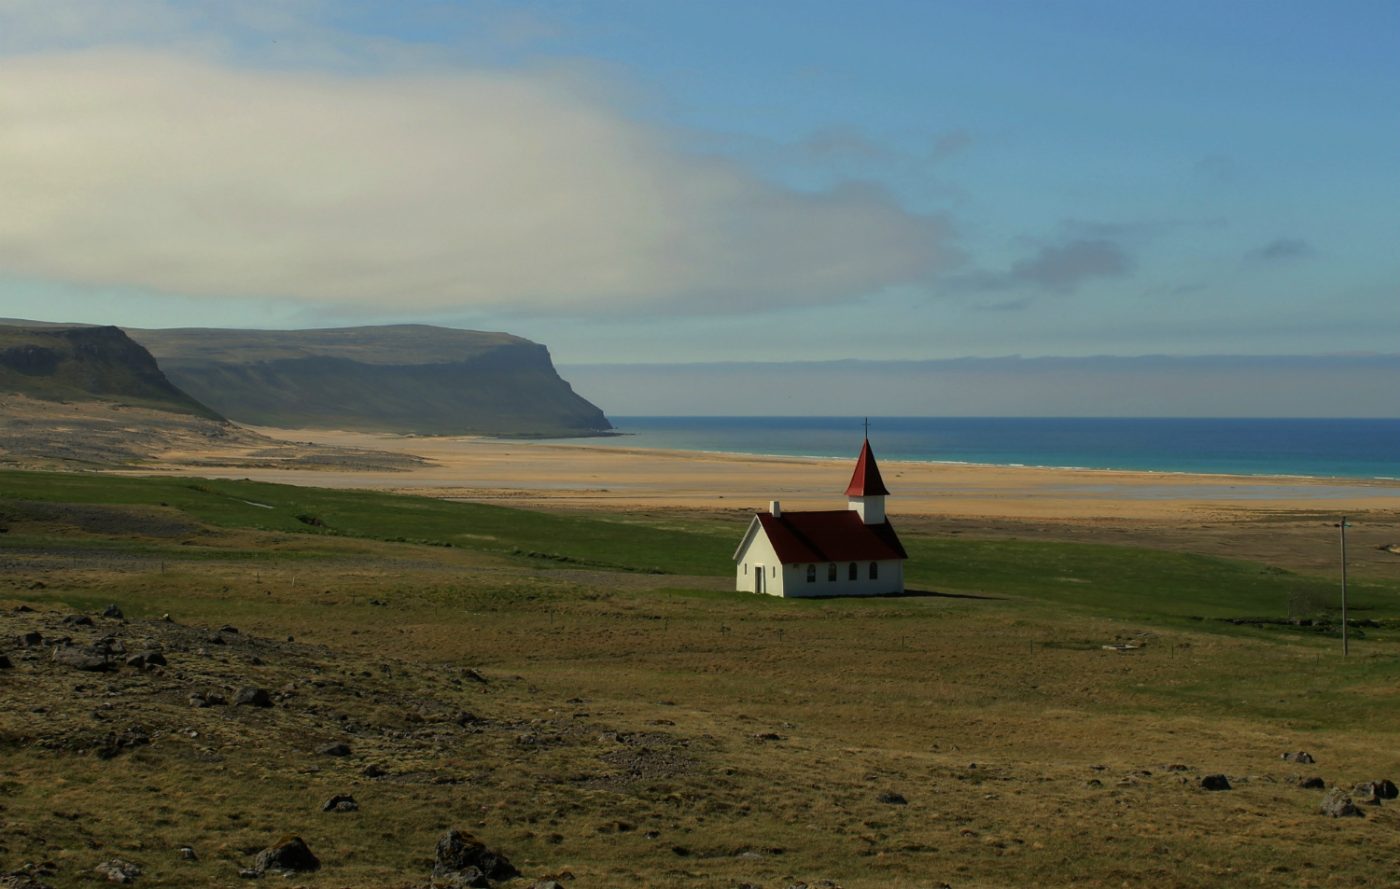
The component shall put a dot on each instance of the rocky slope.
(400, 378)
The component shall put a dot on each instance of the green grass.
(546, 539)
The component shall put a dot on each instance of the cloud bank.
(496, 189)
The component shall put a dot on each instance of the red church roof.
(866, 481)
(837, 535)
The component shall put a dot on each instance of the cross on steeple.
(867, 427)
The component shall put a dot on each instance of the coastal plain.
(539, 643)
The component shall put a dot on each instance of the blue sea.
(1309, 448)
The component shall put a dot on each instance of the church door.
(758, 578)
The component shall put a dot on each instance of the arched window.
(746, 569)
(811, 573)
(874, 570)
(852, 574)
(831, 573)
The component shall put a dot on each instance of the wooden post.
(1344, 587)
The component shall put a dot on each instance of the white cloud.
(499, 189)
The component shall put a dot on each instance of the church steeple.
(866, 493)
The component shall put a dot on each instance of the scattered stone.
(230, 629)
(215, 639)
(23, 609)
(468, 673)
(340, 748)
(1313, 783)
(289, 854)
(6, 663)
(374, 771)
(187, 853)
(207, 699)
(118, 871)
(113, 612)
(1300, 757)
(458, 851)
(1215, 782)
(252, 696)
(1337, 804)
(248, 873)
(77, 620)
(32, 639)
(546, 884)
(889, 797)
(768, 736)
(341, 802)
(465, 719)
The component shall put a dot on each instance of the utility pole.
(1343, 526)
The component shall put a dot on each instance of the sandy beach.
(585, 474)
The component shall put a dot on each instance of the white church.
(836, 552)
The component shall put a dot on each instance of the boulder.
(1300, 757)
(1374, 791)
(1337, 804)
(457, 851)
(6, 663)
(341, 802)
(81, 659)
(113, 612)
(118, 871)
(889, 797)
(252, 696)
(1215, 782)
(339, 748)
(32, 639)
(77, 620)
(289, 854)
(1313, 783)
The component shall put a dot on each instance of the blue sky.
(652, 181)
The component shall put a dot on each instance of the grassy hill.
(399, 378)
(80, 363)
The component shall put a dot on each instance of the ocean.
(1309, 448)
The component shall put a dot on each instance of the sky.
(642, 181)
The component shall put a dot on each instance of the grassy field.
(639, 724)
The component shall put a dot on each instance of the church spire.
(866, 481)
(866, 492)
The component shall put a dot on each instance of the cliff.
(81, 363)
(401, 378)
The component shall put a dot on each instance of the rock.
(287, 854)
(889, 797)
(339, 748)
(1300, 757)
(467, 878)
(546, 884)
(230, 629)
(1313, 783)
(6, 663)
(113, 612)
(118, 871)
(1374, 791)
(77, 620)
(457, 851)
(146, 659)
(374, 771)
(32, 639)
(252, 696)
(1215, 782)
(468, 673)
(207, 699)
(187, 853)
(215, 639)
(341, 802)
(248, 873)
(768, 736)
(465, 719)
(1337, 804)
(80, 659)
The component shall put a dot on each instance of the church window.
(874, 570)
(811, 573)
(831, 572)
(852, 574)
